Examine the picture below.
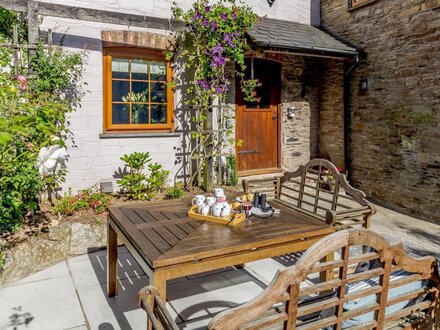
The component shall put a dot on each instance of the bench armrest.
(335, 217)
(157, 313)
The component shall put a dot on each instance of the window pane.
(158, 113)
(158, 92)
(139, 69)
(120, 90)
(120, 68)
(139, 113)
(158, 71)
(121, 114)
(139, 91)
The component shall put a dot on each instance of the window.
(358, 3)
(136, 94)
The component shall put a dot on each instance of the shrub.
(32, 112)
(175, 192)
(85, 200)
(137, 184)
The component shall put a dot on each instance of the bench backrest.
(314, 188)
(380, 298)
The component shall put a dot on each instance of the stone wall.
(63, 241)
(395, 124)
(313, 87)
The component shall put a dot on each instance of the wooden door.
(257, 123)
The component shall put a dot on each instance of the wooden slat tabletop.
(164, 235)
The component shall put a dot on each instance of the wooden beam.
(93, 15)
(32, 9)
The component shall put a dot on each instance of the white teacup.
(219, 193)
(210, 200)
(198, 200)
(217, 209)
(203, 209)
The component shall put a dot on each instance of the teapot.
(221, 208)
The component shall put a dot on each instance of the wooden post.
(49, 37)
(16, 49)
(209, 161)
(32, 28)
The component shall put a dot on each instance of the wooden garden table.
(168, 244)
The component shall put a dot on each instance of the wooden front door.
(257, 123)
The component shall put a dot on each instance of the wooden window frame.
(134, 53)
(354, 4)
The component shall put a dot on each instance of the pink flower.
(21, 79)
(22, 82)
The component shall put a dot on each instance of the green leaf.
(5, 138)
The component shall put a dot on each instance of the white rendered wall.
(91, 158)
(291, 10)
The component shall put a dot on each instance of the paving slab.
(92, 270)
(42, 301)
(208, 295)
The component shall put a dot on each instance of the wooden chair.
(376, 298)
(318, 189)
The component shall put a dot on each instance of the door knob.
(274, 117)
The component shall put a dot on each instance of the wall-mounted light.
(363, 85)
(290, 112)
(270, 2)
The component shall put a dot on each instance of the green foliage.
(215, 35)
(2, 260)
(137, 184)
(175, 192)
(32, 112)
(7, 20)
(231, 166)
(85, 200)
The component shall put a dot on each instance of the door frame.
(278, 133)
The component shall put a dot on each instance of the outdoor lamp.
(290, 112)
(363, 85)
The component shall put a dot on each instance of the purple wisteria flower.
(224, 17)
(207, 9)
(213, 26)
(233, 16)
(205, 22)
(228, 39)
(203, 84)
(197, 15)
(221, 89)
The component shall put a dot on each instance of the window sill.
(120, 135)
(361, 5)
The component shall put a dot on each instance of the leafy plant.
(85, 200)
(157, 178)
(232, 174)
(215, 35)
(133, 184)
(2, 261)
(32, 112)
(175, 192)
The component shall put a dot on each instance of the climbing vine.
(215, 33)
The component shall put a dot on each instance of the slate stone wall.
(313, 87)
(395, 124)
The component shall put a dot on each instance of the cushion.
(371, 299)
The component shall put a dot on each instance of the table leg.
(160, 283)
(112, 261)
(328, 274)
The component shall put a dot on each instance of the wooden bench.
(318, 189)
(407, 301)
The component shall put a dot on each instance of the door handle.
(274, 117)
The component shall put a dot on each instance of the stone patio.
(72, 294)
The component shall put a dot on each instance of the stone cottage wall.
(395, 124)
(314, 88)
